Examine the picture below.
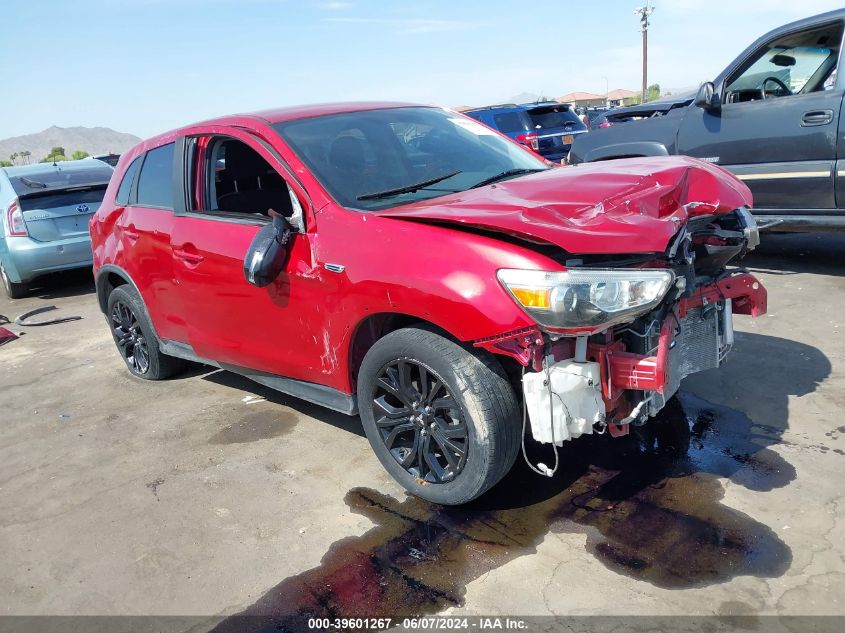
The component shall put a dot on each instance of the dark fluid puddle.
(261, 425)
(646, 513)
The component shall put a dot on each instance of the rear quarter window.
(122, 197)
(155, 184)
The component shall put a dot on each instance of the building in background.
(613, 99)
(620, 97)
(582, 100)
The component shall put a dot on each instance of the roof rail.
(493, 107)
(547, 102)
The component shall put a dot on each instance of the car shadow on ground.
(350, 424)
(791, 253)
(639, 506)
(70, 283)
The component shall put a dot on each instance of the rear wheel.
(135, 337)
(442, 419)
(13, 290)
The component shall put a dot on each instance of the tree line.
(56, 154)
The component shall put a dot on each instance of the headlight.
(589, 300)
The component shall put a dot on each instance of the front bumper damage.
(625, 375)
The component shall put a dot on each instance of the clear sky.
(145, 66)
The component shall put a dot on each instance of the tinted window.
(122, 196)
(36, 178)
(92, 196)
(510, 122)
(155, 185)
(547, 118)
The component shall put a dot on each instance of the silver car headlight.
(586, 300)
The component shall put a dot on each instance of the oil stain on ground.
(260, 425)
(646, 513)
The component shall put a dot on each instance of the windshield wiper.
(34, 184)
(505, 174)
(387, 193)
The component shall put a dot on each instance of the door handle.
(816, 117)
(188, 254)
(131, 233)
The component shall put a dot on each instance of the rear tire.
(135, 337)
(13, 290)
(443, 419)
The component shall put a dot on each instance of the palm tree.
(13, 157)
(25, 155)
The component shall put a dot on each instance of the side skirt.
(309, 391)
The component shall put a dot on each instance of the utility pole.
(644, 13)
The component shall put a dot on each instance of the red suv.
(410, 265)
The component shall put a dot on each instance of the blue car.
(548, 127)
(46, 209)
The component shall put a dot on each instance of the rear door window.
(122, 196)
(509, 122)
(155, 184)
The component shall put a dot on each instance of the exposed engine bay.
(622, 371)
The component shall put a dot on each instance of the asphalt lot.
(119, 496)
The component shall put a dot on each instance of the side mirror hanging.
(706, 98)
(266, 256)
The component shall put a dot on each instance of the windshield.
(396, 152)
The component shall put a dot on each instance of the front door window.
(799, 63)
(240, 182)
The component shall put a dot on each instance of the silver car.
(46, 209)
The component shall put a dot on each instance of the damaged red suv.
(410, 265)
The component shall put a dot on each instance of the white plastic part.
(564, 402)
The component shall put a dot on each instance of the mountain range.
(94, 140)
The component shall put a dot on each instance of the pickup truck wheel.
(13, 290)
(135, 337)
(442, 419)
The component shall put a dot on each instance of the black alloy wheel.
(130, 339)
(419, 421)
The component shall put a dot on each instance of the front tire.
(135, 337)
(13, 290)
(441, 418)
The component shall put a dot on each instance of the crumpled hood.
(633, 205)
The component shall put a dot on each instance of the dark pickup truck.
(773, 118)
